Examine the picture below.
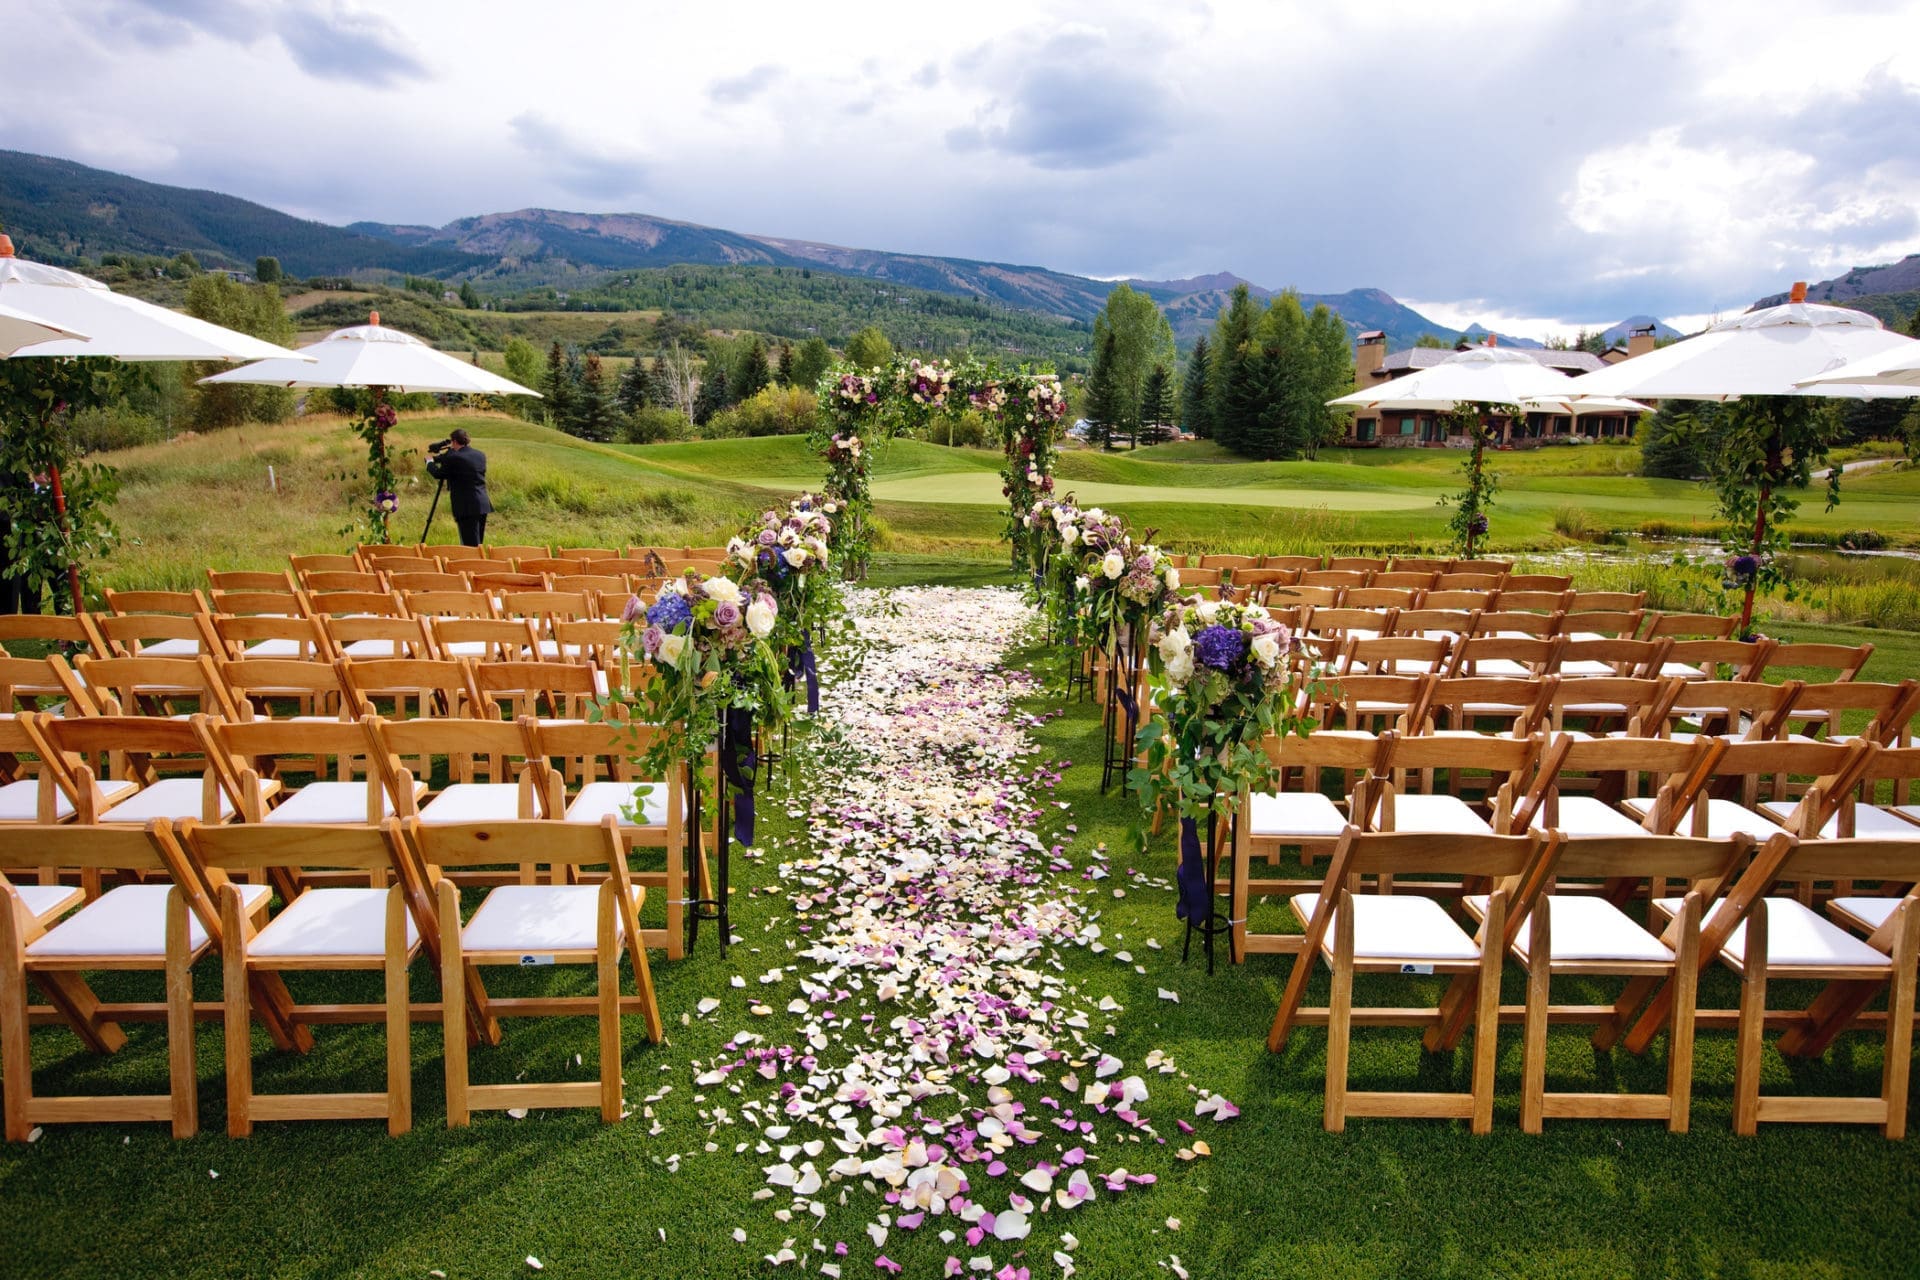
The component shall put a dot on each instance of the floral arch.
(909, 395)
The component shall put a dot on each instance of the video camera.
(439, 446)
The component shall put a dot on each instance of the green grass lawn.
(1279, 1197)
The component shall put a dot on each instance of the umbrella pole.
(60, 515)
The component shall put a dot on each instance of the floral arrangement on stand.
(789, 552)
(711, 678)
(385, 501)
(1224, 677)
(1123, 588)
(1030, 416)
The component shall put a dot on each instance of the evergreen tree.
(1196, 397)
(784, 372)
(1333, 377)
(557, 387)
(869, 348)
(750, 374)
(1142, 338)
(1236, 384)
(636, 390)
(1103, 392)
(815, 357)
(659, 385)
(469, 296)
(594, 411)
(712, 396)
(1156, 401)
(1281, 382)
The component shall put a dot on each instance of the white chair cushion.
(1725, 819)
(1797, 936)
(1588, 816)
(1437, 814)
(548, 649)
(1875, 911)
(1295, 813)
(598, 799)
(277, 649)
(537, 918)
(20, 802)
(330, 922)
(1500, 667)
(128, 921)
(1584, 927)
(474, 802)
(1870, 822)
(372, 649)
(43, 901)
(1396, 926)
(465, 648)
(176, 648)
(171, 798)
(329, 802)
(1580, 667)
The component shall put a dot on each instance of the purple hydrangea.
(1477, 526)
(670, 612)
(1744, 566)
(1219, 647)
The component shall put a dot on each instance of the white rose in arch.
(794, 556)
(1068, 535)
(671, 647)
(1114, 564)
(760, 615)
(722, 590)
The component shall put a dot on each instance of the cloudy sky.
(1533, 165)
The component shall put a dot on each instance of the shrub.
(111, 427)
(652, 424)
(771, 411)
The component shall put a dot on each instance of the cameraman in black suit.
(464, 469)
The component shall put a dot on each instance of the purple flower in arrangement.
(386, 415)
(1220, 647)
(387, 501)
(1477, 526)
(634, 609)
(650, 640)
(767, 538)
(670, 612)
(726, 614)
(1743, 567)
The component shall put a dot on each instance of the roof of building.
(1569, 362)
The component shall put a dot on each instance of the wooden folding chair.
(1229, 562)
(1859, 813)
(1692, 626)
(134, 927)
(1887, 710)
(395, 567)
(1607, 601)
(1517, 624)
(1401, 564)
(410, 688)
(1379, 598)
(608, 591)
(1372, 703)
(145, 686)
(586, 553)
(255, 636)
(319, 930)
(1514, 599)
(524, 924)
(1493, 568)
(1743, 709)
(281, 602)
(1844, 661)
(1482, 582)
(73, 634)
(508, 551)
(112, 769)
(1415, 581)
(1733, 804)
(1299, 564)
(461, 603)
(325, 582)
(547, 566)
(353, 790)
(1585, 656)
(253, 685)
(656, 819)
(410, 582)
(1671, 773)
(1458, 601)
(1601, 624)
(1405, 934)
(152, 635)
(499, 581)
(1452, 623)
(492, 749)
(378, 553)
(1517, 658)
(1507, 764)
(1393, 655)
(1717, 659)
(543, 609)
(470, 564)
(373, 639)
(1518, 706)
(483, 639)
(27, 683)
(1588, 935)
(1343, 579)
(1555, 583)
(561, 692)
(627, 567)
(445, 551)
(181, 604)
(304, 565)
(277, 580)
(357, 604)
(595, 641)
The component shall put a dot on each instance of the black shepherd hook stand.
(702, 908)
(1122, 710)
(1217, 921)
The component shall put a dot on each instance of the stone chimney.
(1639, 340)
(1368, 357)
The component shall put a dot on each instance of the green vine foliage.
(1469, 522)
(36, 398)
(1030, 406)
(1762, 450)
(384, 500)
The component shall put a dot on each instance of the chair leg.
(676, 895)
(399, 1018)
(1753, 1014)
(183, 1081)
(453, 1006)
(235, 932)
(16, 1058)
(1686, 994)
(1894, 1075)
(1339, 1017)
(607, 954)
(1609, 1033)
(1533, 1054)
(1486, 1023)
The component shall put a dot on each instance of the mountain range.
(63, 211)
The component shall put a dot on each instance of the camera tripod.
(439, 489)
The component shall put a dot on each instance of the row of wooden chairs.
(1358, 564)
(1551, 903)
(186, 896)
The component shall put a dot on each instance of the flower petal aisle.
(945, 1076)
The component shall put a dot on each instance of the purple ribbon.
(800, 662)
(1195, 904)
(738, 763)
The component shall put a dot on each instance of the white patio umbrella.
(1762, 353)
(372, 355)
(116, 325)
(1482, 375)
(380, 359)
(1896, 367)
(22, 329)
(1578, 407)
